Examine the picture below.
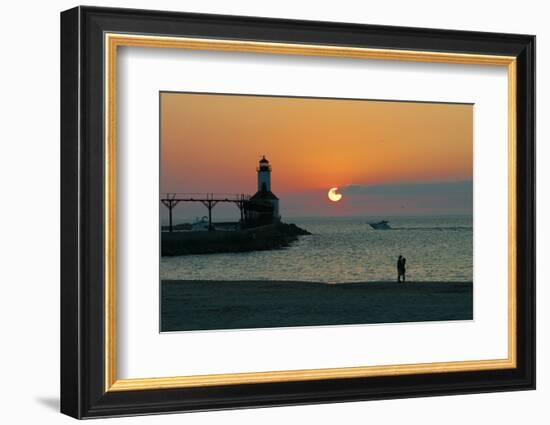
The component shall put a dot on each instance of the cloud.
(385, 199)
(411, 189)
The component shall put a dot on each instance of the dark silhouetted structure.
(263, 207)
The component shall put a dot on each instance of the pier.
(260, 227)
(209, 200)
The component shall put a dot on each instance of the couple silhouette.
(401, 268)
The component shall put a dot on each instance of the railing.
(201, 196)
(209, 200)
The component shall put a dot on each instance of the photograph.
(283, 211)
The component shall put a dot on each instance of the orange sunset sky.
(212, 143)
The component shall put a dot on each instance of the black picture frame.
(83, 392)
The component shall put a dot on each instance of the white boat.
(381, 225)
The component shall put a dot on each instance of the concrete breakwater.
(272, 236)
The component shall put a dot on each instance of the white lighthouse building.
(264, 175)
(263, 206)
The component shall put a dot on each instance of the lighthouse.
(263, 206)
(264, 175)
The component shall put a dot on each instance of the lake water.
(346, 250)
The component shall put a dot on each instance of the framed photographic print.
(261, 212)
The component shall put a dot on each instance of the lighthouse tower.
(264, 175)
(263, 206)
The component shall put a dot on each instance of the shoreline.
(211, 305)
(384, 283)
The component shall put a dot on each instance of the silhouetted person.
(401, 268)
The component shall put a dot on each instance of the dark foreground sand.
(207, 305)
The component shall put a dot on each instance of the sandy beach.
(209, 305)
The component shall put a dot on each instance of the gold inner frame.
(113, 41)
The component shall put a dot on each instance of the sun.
(333, 196)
